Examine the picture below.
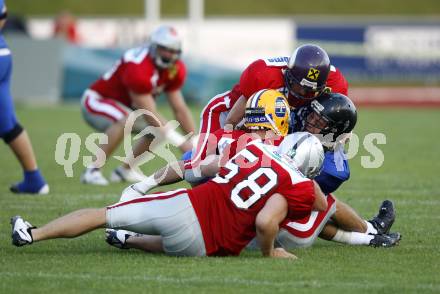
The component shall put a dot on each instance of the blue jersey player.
(333, 116)
(10, 130)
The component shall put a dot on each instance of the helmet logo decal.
(313, 74)
(280, 107)
(317, 106)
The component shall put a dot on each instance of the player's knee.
(12, 134)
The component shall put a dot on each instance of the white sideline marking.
(229, 281)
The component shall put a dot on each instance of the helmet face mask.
(307, 72)
(166, 57)
(299, 89)
(315, 123)
(165, 47)
(331, 113)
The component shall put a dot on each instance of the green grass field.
(88, 264)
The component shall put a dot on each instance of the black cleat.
(383, 221)
(118, 238)
(386, 240)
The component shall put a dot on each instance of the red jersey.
(136, 72)
(227, 205)
(227, 143)
(269, 74)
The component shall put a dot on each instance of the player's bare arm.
(181, 111)
(267, 223)
(147, 102)
(320, 203)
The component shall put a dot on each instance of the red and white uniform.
(302, 232)
(269, 74)
(217, 218)
(227, 143)
(227, 206)
(135, 73)
(261, 74)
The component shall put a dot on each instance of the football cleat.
(93, 176)
(122, 174)
(17, 189)
(21, 231)
(383, 221)
(118, 238)
(386, 240)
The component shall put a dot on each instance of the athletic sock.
(370, 228)
(352, 238)
(32, 183)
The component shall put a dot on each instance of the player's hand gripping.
(281, 253)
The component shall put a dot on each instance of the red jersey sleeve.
(300, 197)
(136, 79)
(258, 75)
(337, 82)
(177, 78)
(251, 78)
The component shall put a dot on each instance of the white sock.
(146, 185)
(360, 238)
(352, 238)
(370, 228)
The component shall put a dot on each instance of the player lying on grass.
(248, 198)
(333, 116)
(135, 81)
(330, 112)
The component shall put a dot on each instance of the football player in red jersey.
(248, 198)
(332, 112)
(266, 119)
(133, 83)
(301, 78)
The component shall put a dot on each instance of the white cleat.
(93, 176)
(122, 174)
(21, 234)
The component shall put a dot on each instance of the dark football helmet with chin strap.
(307, 72)
(335, 114)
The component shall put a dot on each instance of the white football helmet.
(305, 150)
(165, 46)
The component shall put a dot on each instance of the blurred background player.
(135, 81)
(10, 130)
(65, 27)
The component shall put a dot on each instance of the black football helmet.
(307, 72)
(330, 113)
